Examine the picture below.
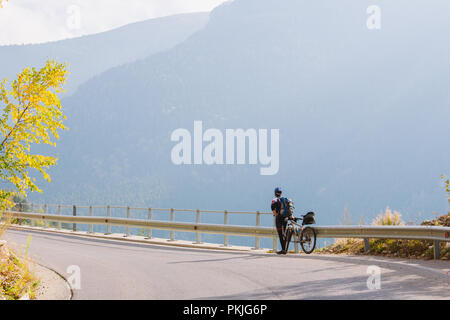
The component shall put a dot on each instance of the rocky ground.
(443, 221)
(394, 248)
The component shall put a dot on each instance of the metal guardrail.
(159, 225)
(436, 234)
(386, 232)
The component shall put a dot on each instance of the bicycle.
(302, 234)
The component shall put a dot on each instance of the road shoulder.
(52, 286)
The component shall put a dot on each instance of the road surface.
(112, 269)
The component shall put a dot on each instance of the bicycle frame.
(296, 228)
(295, 233)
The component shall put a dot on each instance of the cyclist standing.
(281, 210)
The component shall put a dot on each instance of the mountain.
(91, 55)
(362, 114)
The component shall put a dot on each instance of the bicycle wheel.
(288, 239)
(308, 239)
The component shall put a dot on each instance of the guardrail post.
(127, 233)
(45, 212)
(108, 214)
(366, 245)
(225, 222)
(74, 226)
(90, 215)
(32, 222)
(437, 254)
(172, 218)
(197, 221)
(149, 231)
(258, 223)
(20, 208)
(59, 213)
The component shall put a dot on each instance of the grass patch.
(390, 247)
(16, 279)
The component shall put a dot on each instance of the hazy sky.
(35, 21)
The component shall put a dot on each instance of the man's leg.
(280, 229)
(284, 225)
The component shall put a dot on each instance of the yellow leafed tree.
(31, 115)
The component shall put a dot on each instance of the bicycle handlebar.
(295, 219)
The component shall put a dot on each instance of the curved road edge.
(52, 285)
(167, 272)
(426, 267)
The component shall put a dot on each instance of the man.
(281, 210)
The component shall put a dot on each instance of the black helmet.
(277, 191)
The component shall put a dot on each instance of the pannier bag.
(309, 218)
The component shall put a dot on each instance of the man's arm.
(274, 207)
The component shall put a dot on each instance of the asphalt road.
(122, 270)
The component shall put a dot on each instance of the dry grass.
(16, 279)
(388, 218)
(393, 248)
